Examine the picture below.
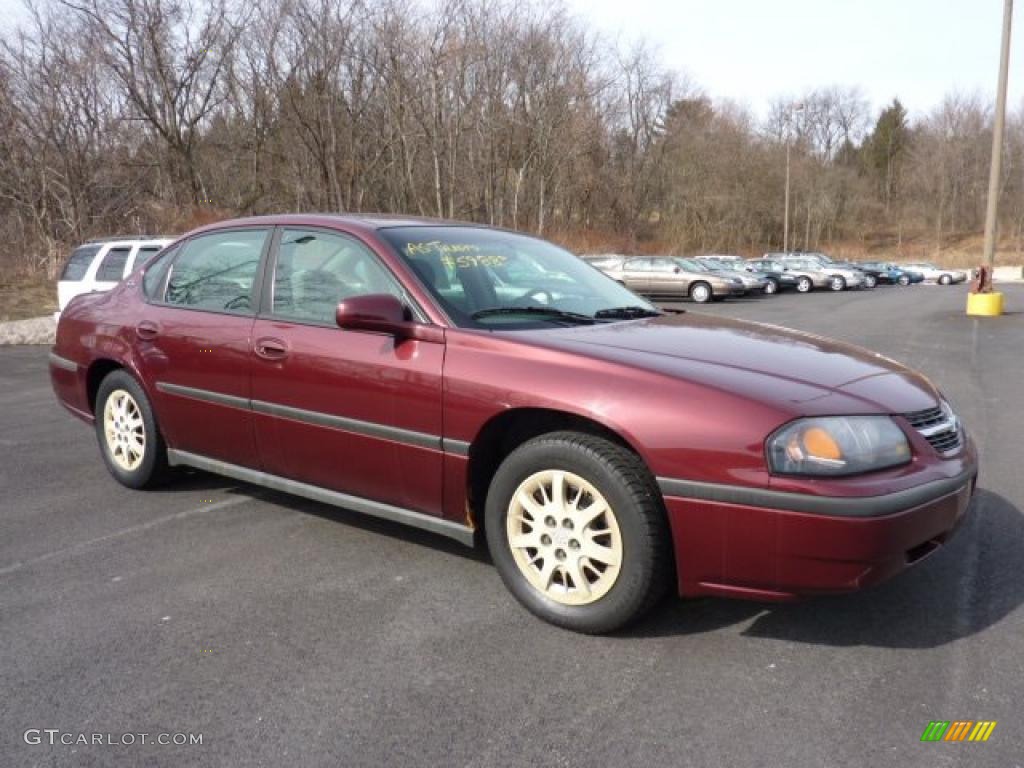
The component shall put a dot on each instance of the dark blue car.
(890, 273)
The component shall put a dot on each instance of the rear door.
(351, 411)
(636, 274)
(195, 338)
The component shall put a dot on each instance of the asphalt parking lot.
(291, 633)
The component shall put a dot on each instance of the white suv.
(98, 265)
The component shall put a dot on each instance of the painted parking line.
(133, 529)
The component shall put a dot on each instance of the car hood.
(799, 372)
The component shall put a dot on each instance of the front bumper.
(735, 549)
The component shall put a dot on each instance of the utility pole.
(785, 217)
(991, 210)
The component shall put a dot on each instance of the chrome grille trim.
(939, 426)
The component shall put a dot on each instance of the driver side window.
(315, 270)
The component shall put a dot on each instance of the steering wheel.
(535, 296)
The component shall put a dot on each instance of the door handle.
(271, 349)
(147, 330)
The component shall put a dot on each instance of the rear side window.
(111, 269)
(146, 254)
(156, 274)
(78, 263)
(217, 271)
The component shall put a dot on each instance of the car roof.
(363, 221)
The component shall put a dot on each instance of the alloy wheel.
(837, 283)
(564, 537)
(124, 429)
(700, 293)
(803, 284)
(770, 287)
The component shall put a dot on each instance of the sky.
(750, 51)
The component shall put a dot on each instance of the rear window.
(111, 269)
(78, 263)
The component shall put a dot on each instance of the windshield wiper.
(551, 312)
(626, 313)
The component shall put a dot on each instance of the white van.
(99, 265)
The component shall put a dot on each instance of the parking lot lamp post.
(985, 301)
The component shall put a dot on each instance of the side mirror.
(379, 312)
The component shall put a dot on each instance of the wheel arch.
(506, 431)
(98, 370)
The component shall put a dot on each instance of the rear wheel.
(837, 283)
(945, 279)
(804, 284)
(903, 280)
(870, 281)
(701, 293)
(130, 441)
(771, 287)
(577, 532)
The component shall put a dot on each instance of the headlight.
(837, 445)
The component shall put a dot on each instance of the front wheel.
(576, 529)
(837, 283)
(130, 441)
(804, 284)
(701, 293)
(771, 287)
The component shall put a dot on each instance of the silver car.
(840, 277)
(935, 274)
(751, 282)
(664, 277)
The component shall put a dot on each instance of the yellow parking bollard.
(985, 304)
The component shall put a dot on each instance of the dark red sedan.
(472, 382)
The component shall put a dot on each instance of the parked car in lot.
(840, 276)
(774, 272)
(489, 386)
(662, 277)
(98, 265)
(935, 274)
(890, 273)
(808, 274)
(752, 283)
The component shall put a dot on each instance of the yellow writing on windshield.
(471, 260)
(436, 246)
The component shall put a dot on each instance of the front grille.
(939, 426)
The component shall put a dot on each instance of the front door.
(351, 411)
(194, 343)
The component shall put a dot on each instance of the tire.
(903, 280)
(130, 441)
(701, 293)
(870, 281)
(545, 577)
(804, 284)
(945, 279)
(837, 283)
(771, 287)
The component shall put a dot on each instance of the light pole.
(785, 216)
(985, 302)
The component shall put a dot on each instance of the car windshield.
(716, 264)
(485, 278)
(692, 265)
